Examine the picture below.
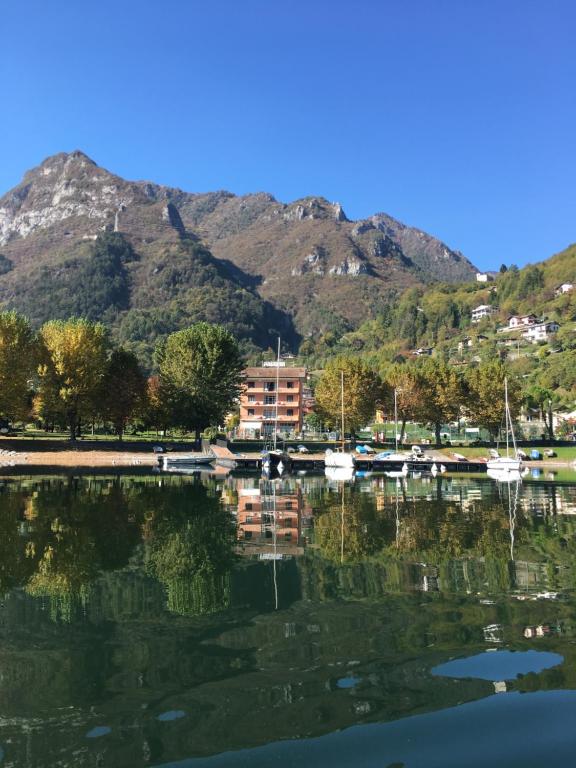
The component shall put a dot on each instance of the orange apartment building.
(269, 392)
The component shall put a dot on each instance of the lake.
(211, 620)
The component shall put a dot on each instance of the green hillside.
(439, 318)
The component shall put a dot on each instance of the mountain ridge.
(305, 260)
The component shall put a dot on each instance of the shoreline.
(73, 458)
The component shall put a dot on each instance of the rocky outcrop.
(352, 267)
(314, 263)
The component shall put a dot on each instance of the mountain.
(148, 258)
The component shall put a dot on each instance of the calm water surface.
(213, 620)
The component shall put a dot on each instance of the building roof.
(270, 373)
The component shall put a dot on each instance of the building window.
(290, 412)
(250, 411)
(289, 398)
(269, 386)
(289, 385)
(269, 399)
(251, 398)
(247, 534)
(288, 505)
(250, 385)
(268, 414)
(248, 507)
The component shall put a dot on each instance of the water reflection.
(145, 620)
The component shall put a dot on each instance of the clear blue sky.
(456, 116)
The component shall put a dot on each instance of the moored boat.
(185, 460)
(508, 464)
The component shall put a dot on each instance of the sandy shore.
(73, 459)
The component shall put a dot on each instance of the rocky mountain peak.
(64, 186)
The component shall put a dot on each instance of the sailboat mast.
(277, 395)
(507, 416)
(342, 403)
(395, 420)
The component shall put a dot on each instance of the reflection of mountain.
(348, 644)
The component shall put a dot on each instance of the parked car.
(303, 449)
(158, 449)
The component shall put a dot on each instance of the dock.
(364, 462)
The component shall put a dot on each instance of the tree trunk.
(73, 427)
(550, 423)
(402, 431)
(437, 429)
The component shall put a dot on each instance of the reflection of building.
(271, 392)
(272, 518)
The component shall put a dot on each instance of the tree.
(123, 389)
(156, 408)
(201, 370)
(485, 401)
(18, 352)
(73, 366)
(442, 394)
(363, 391)
(403, 378)
(541, 398)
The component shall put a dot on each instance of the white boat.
(339, 474)
(397, 473)
(340, 458)
(186, 460)
(276, 459)
(505, 475)
(509, 464)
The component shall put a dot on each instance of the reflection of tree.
(443, 530)
(349, 527)
(16, 562)
(191, 549)
(77, 532)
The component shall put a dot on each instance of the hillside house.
(471, 341)
(517, 321)
(540, 331)
(482, 311)
(484, 277)
(564, 288)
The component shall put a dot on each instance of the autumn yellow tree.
(18, 355)
(363, 392)
(403, 379)
(74, 361)
(442, 394)
(485, 401)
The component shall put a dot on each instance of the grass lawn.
(563, 453)
(36, 434)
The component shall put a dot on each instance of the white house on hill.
(540, 331)
(484, 310)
